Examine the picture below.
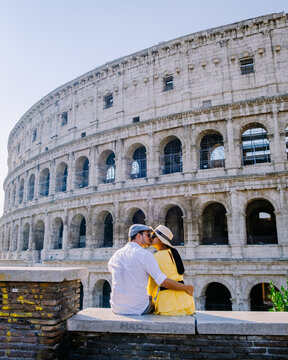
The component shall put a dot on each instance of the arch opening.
(139, 164)
(255, 146)
(218, 297)
(261, 223)
(174, 221)
(214, 225)
(173, 157)
(259, 300)
(212, 153)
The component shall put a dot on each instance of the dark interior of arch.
(261, 223)
(214, 225)
(174, 221)
(218, 297)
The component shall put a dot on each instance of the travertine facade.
(191, 133)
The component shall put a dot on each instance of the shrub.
(279, 298)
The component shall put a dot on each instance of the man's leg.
(150, 307)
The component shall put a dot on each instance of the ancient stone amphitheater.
(191, 133)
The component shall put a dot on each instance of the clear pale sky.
(46, 43)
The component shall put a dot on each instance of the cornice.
(176, 116)
(117, 66)
(189, 188)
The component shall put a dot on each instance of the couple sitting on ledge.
(143, 283)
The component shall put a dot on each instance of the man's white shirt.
(130, 267)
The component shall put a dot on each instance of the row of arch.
(260, 228)
(217, 297)
(254, 143)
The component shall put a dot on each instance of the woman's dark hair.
(178, 261)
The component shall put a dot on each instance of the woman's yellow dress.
(169, 302)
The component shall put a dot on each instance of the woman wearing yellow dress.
(169, 302)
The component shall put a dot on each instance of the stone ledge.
(42, 274)
(203, 322)
(242, 322)
(104, 320)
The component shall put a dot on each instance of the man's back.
(130, 268)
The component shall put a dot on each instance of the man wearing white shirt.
(130, 267)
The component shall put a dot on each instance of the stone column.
(31, 230)
(26, 184)
(71, 172)
(36, 185)
(11, 245)
(236, 226)
(282, 221)
(89, 228)
(190, 241)
(52, 178)
(65, 238)
(187, 154)
(93, 167)
(151, 221)
(19, 242)
(46, 244)
(233, 149)
(120, 175)
(277, 148)
(153, 158)
(118, 238)
(194, 160)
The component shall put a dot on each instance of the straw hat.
(164, 234)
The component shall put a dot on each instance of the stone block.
(104, 320)
(242, 323)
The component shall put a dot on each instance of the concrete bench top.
(104, 320)
(242, 322)
(42, 274)
(203, 322)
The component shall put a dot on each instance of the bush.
(279, 298)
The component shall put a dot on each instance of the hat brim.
(164, 241)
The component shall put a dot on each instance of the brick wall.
(33, 317)
(91, 345)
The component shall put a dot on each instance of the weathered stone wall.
(209, 95)
(84, 346)
(100, 334)
(34, 312)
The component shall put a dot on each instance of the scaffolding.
(172, 159)
(255, 147)
(61, 183)
(212, 153)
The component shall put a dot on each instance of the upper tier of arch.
(135, 87)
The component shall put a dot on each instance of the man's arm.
(175, 285)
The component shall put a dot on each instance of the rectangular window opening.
(83, 134)
(247, 66)
(206, 103)
(136, 119)
(168, 83)
(64, 118)
(108, 101)
(34, 136)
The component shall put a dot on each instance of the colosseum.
(191, 133)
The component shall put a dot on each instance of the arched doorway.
(261, 223)
(173, 157)
(108, 231)
(214, 225)
(174, 221)
(212, 151)
(218, 297)
(138, 217)
(259, 299)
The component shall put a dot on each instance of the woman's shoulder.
(163, 254)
